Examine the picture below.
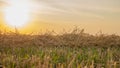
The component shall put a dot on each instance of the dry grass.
(68, 50)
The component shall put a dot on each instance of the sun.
(17, 13)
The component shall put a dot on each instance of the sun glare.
(17, 13)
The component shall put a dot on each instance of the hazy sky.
(92, 15)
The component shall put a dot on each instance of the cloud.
(94, 8)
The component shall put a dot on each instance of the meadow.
(75, 49)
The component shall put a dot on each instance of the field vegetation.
(75, 49)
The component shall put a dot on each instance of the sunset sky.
(92, 15)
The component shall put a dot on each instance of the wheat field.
(76, 49)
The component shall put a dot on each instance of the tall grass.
(75, 49)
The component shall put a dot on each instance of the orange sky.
(92, 15)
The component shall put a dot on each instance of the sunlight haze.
(42, 15)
